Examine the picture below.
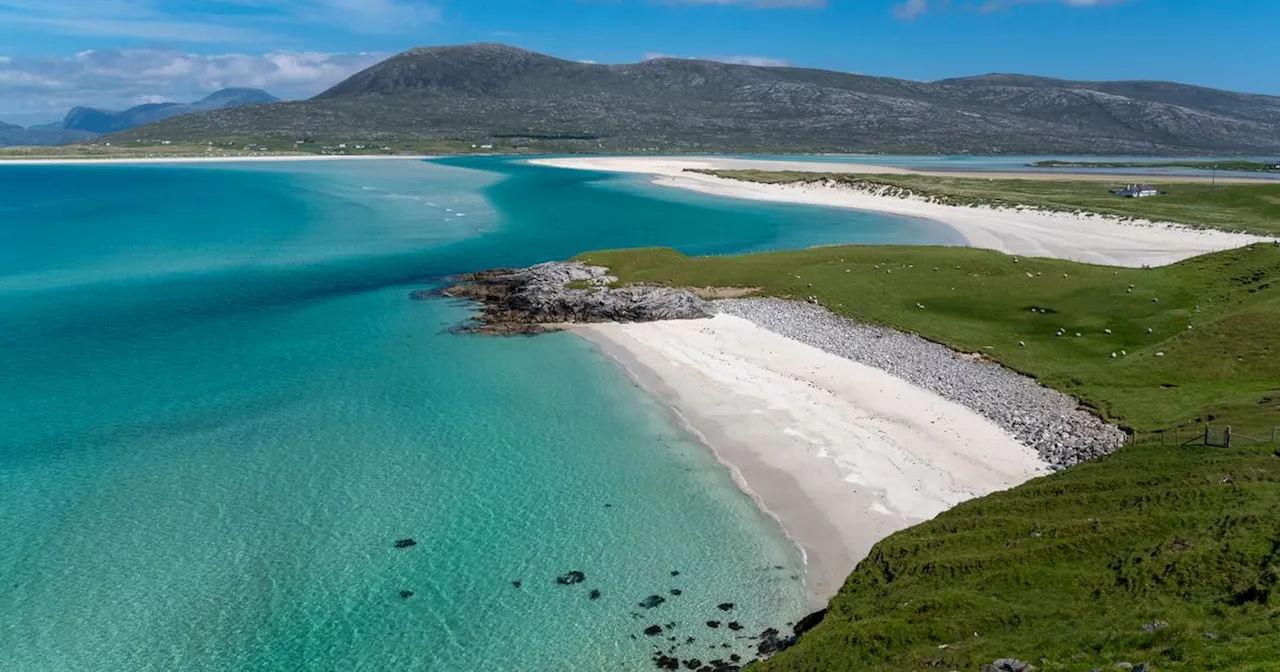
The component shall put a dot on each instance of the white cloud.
(214, 21)
(910, 9)
(48, 87)
(760, 61)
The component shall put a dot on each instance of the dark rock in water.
(692, 664)
(406, 594)
(689, 640)
(725, 606)
(515, 584)
(526, 300)
(735, 657)
(652, 601)
(808, 622)
(1008, 665)
(653, 630)
(771, 642)
(665, 662)
(735, 626)
(676, 592)
(713, 624)
(571, 578)
(595, 593)
(405, 543)
(675, 573)
(671, 626)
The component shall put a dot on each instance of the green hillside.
(1160, 555)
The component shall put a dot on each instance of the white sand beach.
(842, 454)
(1087, 238)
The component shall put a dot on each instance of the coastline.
(204, 159)
(841, 454)
(1085, 238)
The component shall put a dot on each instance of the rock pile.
(531, 300)
(1048, 421)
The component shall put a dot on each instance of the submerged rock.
(405, 543)
(571, 578)
(725, 606)
(527, 300)
(406, 594)
(652, 601)
(653, 630)
(595, 593)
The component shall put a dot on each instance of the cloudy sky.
(114, 53)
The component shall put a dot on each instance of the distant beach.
(1078, 237)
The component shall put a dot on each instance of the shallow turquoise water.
(220, 410)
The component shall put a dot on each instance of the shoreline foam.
(1086, 238)
(840, 453)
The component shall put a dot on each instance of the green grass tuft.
(1252, 208)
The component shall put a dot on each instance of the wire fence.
(1220, 436)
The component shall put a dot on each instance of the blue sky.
(58, 53)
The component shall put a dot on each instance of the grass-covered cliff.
(1162, 554)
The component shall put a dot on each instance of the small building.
(1137, 191)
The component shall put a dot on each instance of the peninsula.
(867, 396)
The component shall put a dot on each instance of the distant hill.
(499, 93)
(83, 123)
(95, 120)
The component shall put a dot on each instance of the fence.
(1221, 436)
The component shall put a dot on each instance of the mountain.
(49, 134)
(84, 123)
(94, 120)
(511, 96)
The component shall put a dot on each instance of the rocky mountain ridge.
(514, 97)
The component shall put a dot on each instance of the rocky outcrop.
(540, 298)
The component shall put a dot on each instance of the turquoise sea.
(219, 411)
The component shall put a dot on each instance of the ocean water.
(219, 410)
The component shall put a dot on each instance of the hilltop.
(518, 98)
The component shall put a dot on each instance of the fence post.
(1228, 441)
(1275, 435)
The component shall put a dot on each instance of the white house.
(1137, 191)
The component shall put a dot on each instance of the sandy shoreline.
(203, 159)
(840, 453)
(1086, 238)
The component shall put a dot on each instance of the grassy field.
(1241, 166)
(1253, 208)
(1065, 571)
(241, 147)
